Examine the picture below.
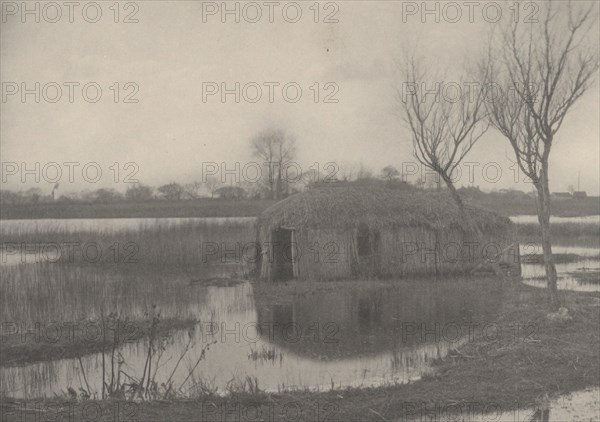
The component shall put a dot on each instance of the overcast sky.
(170, 52)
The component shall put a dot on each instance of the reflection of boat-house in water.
(345, 231)
(369, 321)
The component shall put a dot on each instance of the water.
(363, 336)
(359, 334)
(566, 283)
(587, 262)
(533, 219)
(532, 249)
(533, 275)
(579, 275)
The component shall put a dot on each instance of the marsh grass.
(49, 292)
(117, 380)
(167, 259)
(189, 243)
(161, 280)
(168, 272)
(507, 370)
(51, 311)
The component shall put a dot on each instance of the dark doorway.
(367, 248)
(283, 258)
(367, 242)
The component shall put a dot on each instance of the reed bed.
(191, 243)
(57, 293)
(161, 266)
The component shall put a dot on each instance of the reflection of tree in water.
(368, 321)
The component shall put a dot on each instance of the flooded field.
(331, 340)
(581, 273)
(241, 336)
(576, 249)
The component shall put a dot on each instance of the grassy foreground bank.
(500, 372)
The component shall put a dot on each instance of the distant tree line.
(275, 186)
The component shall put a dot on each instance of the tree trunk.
(461, 208)
(271, 180)
(278, 182)
(471, 226)
(543, 202)
(456, 197)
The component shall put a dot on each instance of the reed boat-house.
(347, 231)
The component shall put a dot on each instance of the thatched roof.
(376, 206)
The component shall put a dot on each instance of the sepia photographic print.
(300, 211)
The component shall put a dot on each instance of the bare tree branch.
(548, 67)
(444, 130)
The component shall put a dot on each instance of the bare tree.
(543, 68)
(346, 171)
(364, 173)
(389, 173)
(350, 172)
(444, 126)
(172, 191)
(276, 149)
(104, 195)
(138, 192)
(192, 190)
(309, 178)
(212, 185)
